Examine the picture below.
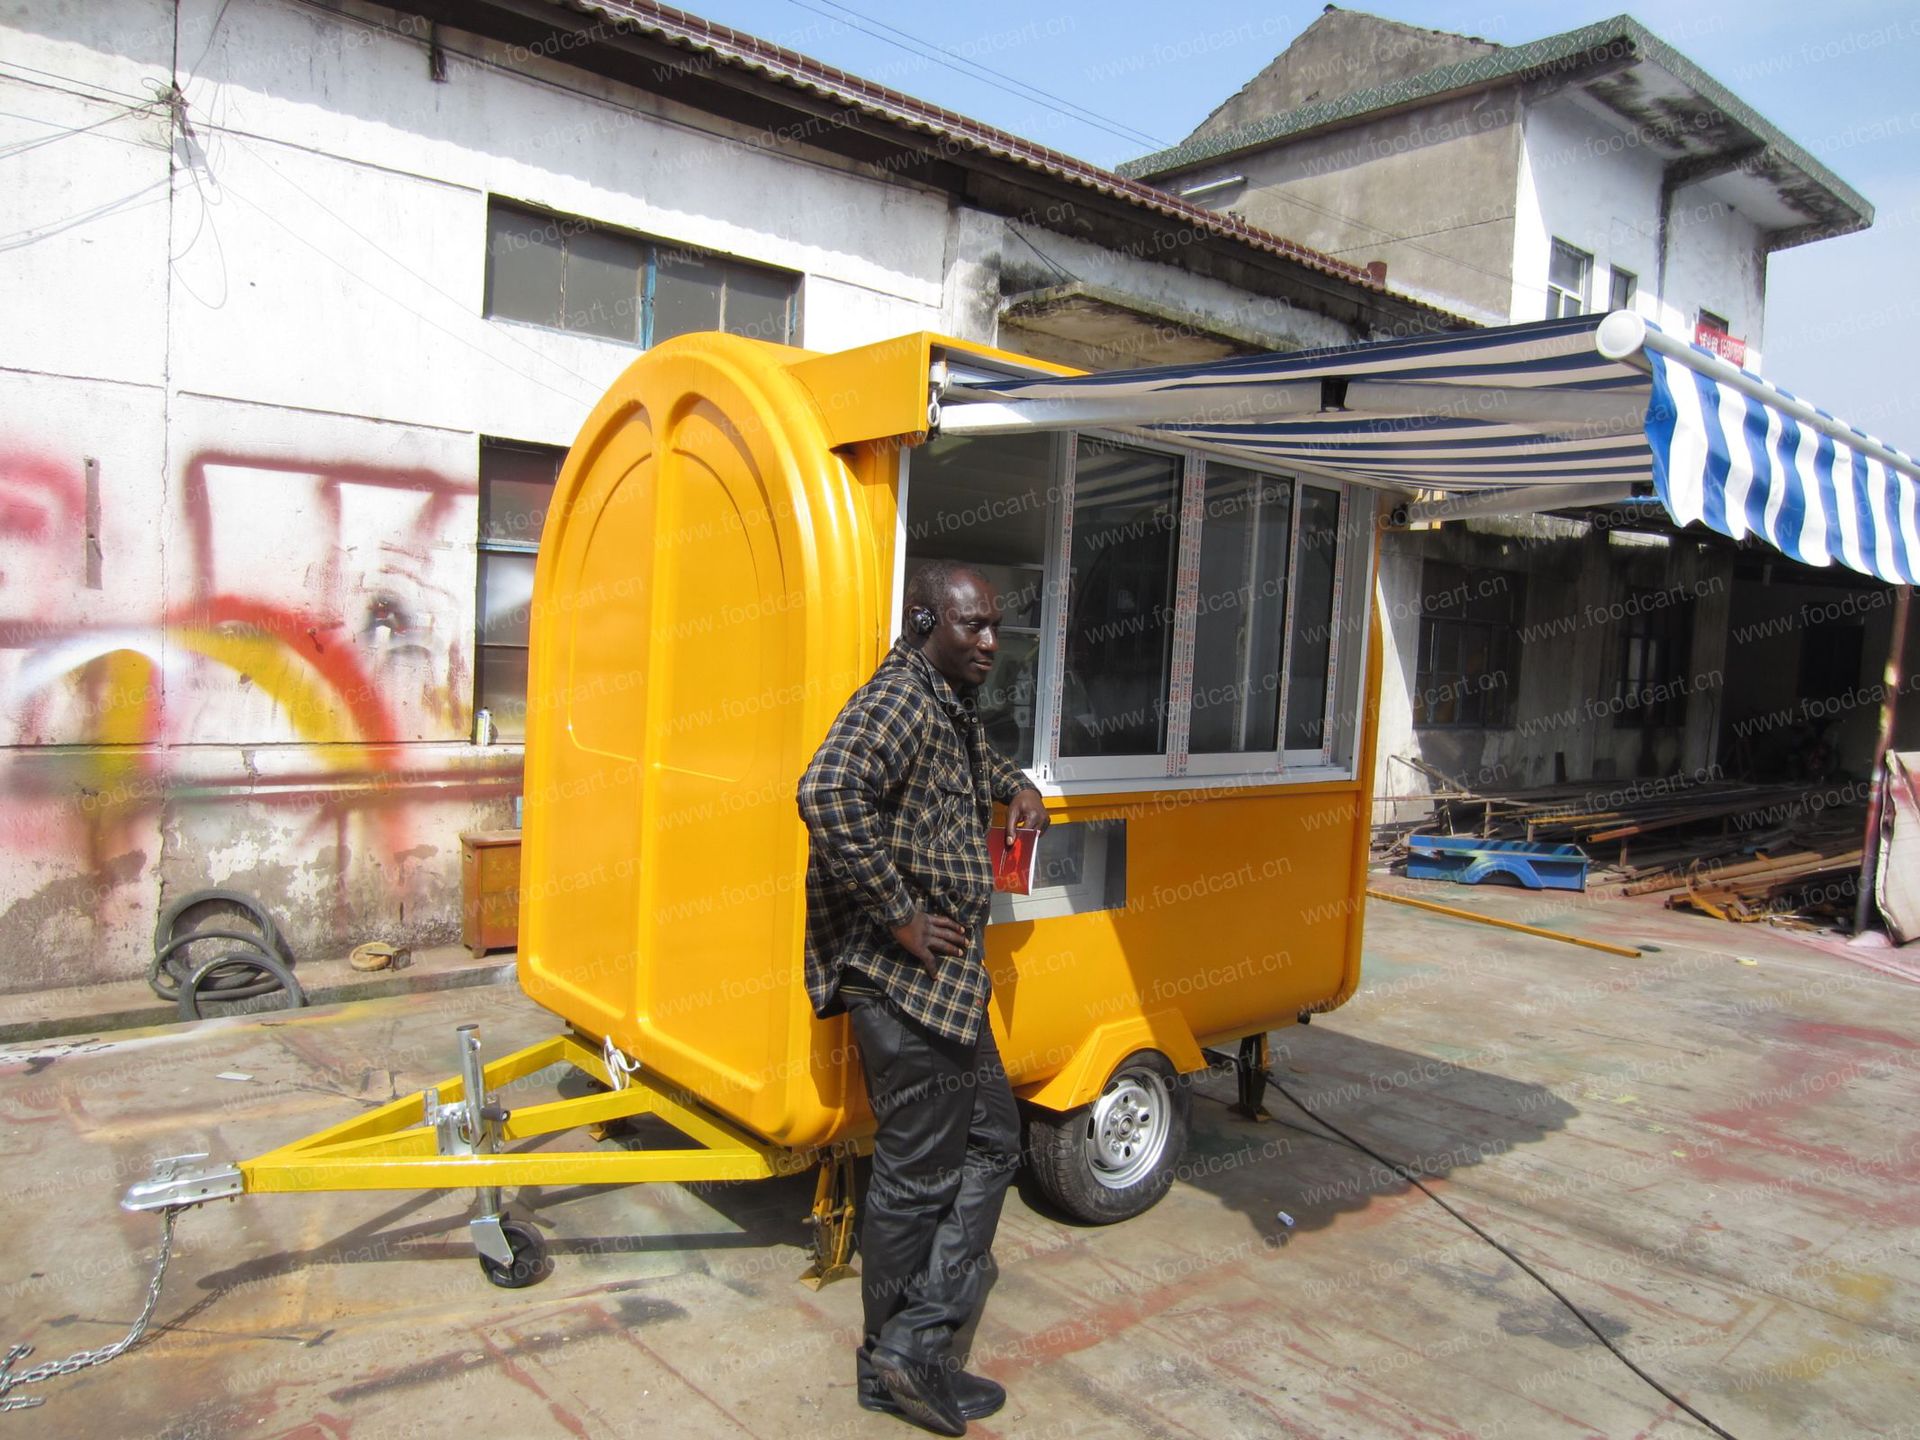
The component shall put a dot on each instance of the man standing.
(897, 801)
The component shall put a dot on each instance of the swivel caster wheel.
(530, 1264)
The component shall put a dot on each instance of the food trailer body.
(1188, 670)
(724, 567)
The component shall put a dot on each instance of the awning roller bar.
(1594, 414)
(1624, 334)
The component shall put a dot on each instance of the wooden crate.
(489, 890)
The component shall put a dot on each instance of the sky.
(1118, 79)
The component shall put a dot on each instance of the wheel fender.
(1086, 1071)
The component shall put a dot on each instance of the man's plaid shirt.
(897, 801)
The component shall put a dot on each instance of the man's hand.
(931, 939)
(1027, 811)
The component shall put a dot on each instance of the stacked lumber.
(1806, 890)
(1732, 849)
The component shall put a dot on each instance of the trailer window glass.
(1239, 629)
(1126, 523)
(1315, 555)
(988, 501)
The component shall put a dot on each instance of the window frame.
(1515, 647)
(1557, 294)
(485, 545)
(1669, 625)
(651, 248)
(1054, 634)
(1337, 756)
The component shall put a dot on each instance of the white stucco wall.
(1591, 182)
(280, 364)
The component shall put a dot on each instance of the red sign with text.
(1720, 343)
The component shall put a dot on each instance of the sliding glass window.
(1116, 697)
(1316, 566)
(1239, 624)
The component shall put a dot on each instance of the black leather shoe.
(977, 1396)
(920, 1392)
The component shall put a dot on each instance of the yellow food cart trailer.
(1189, 671)
(1185, 670)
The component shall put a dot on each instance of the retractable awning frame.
(1521, 418)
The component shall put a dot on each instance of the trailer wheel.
(529, 1265)
(1115, 1158)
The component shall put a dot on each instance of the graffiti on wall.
(299, 627)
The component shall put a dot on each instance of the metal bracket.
(170, 1187)
(1251, 1066)
(489, 1239)
(832, 1221)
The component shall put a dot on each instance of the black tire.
(530, 1263)
(232, 985)
(239, 900)
(165, 979)
(1115, 1158)
(278, 977)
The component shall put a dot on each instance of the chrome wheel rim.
(1127, 1129)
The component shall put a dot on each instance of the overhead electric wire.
(122, 112)
(1020, 89)
(1407, 1174)
(396, 301)
(393, 259)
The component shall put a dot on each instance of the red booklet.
(1013, 863)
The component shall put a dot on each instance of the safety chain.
(81, 1359)
(620, 1067)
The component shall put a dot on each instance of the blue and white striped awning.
(1579, 411)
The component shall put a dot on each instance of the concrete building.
(1593, 170)
(304, 300)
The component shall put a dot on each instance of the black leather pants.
(947, 1144)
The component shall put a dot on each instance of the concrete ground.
(1711, 1148)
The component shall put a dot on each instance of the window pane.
(988, 501)
(1313, 617)
(603, 284)
(757, 302)
(1625, 288)
(1492, 595)
(516, 486)
(1126, 521)
(686, 295)
(506, 594)
(1568, 269)
(523, 265)
(1242, 602)
(502, 689)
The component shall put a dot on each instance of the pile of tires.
(221, 946)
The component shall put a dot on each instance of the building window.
(516, 487)
(1711, 321)
(1655, 635)
(1624, 290)
(1567, 274)
(566, 273)
(1468, 670)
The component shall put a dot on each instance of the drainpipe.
(1876, 796)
